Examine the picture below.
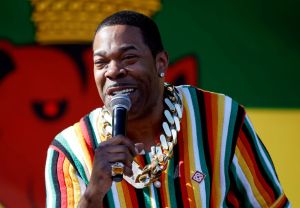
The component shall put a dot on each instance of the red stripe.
(181, 144)
(87, 138)
(132, 195)
(282, 202)
(267, 189)
(208, 107)
(210, 140)
(162, 190)
(232, 199)
(61, 180)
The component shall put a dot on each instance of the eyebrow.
(123, 49)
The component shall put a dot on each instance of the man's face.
(123, 63)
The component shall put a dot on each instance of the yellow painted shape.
(279, 130)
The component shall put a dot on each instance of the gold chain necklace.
(162, 152)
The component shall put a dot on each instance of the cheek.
(99, 81)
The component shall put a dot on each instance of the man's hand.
(116, 149)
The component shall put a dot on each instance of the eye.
(50, 110)
(130, 59)
(100, 63)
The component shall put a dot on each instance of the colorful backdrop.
(249, 50)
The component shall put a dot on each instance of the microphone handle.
(119, 121)
(119, 118)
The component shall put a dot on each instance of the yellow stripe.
(217, 146)
(76, 186)
(278, 202)
(120, 194)
(87, 157)
(194, 185)
(69, 185)
(166, 187)
(249, 177)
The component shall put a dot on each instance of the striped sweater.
(219, 161)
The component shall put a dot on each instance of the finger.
(122, 157)
(128, 171)
(117, 149)
(120, 139)
(140, 148)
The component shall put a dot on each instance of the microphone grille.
(120, 100)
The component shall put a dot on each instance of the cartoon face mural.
(42, 92)
(41, 95)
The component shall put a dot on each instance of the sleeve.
(63, 185)
(254, 182)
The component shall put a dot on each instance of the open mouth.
(126, 91)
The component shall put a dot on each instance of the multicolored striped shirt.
(219, 161)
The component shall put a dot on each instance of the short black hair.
(148, 27)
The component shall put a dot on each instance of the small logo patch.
(198, 176)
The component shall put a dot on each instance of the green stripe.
(110, 198)
(147, 197)
(149, 188)
(198, 123)
(171, 186)
(77, 162)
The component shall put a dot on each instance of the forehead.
(116, 36)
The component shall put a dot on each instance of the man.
(200, 147)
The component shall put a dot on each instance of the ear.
(162, 62)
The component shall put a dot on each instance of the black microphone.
(120, 105)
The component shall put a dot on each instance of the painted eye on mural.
(50, 110)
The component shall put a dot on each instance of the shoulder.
(211, 106)
(81, 132)
(202, 95)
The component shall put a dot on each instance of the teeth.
(125, 92)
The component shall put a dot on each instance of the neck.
(147, 129)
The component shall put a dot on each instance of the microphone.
(120, 105)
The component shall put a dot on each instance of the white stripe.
(94, 116)
(81, 184)
(50, 196)
(152, 198)
(245, 183)
(190, 108)
(72, 140)
(115, 195)
(265, 158)
(227, 111)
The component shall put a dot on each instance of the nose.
(115, 71)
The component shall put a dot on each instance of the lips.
(124, 92)
(116, 90)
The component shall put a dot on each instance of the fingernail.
(139, 148)
(139, 152)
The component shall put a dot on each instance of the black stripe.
(139, 192)
(238, 193)
(258, 161)
(90, 131)
(237, 128)
(202, 111)
(65, 152)
(105, 201)
(140, 197)
(177, 187)
(286, 203)
(55, 179)
(158, 190)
